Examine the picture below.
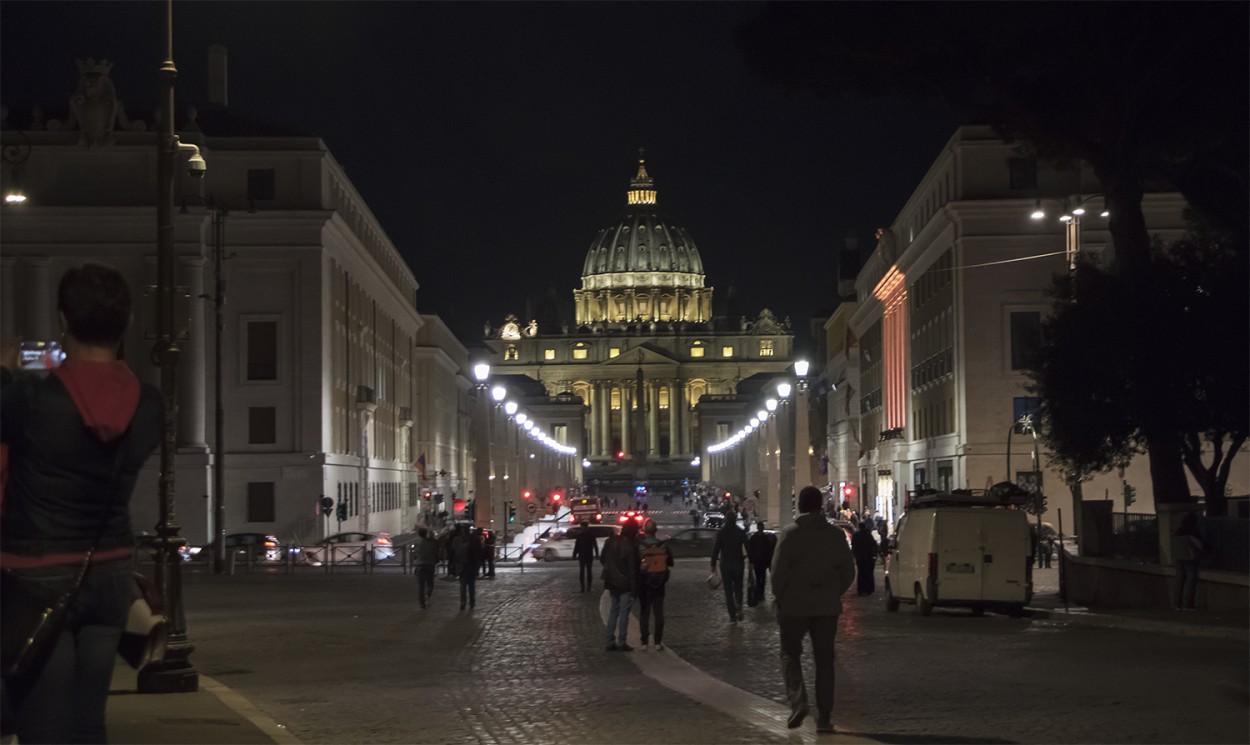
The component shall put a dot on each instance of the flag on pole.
(420, 464)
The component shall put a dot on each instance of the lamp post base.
(173, 674)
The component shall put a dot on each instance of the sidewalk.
(213, 715)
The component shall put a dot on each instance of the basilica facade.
(643, 345)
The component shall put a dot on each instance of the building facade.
(947, 311)
(644, 345)
(332, 384)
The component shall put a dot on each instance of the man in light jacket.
(812, 568)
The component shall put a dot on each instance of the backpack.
(654, 559)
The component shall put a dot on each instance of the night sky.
(493, 140)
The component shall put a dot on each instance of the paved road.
(350, 658)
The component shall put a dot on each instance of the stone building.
(644, 344)
(333, 385)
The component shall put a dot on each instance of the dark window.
(262, 350)
(1023, 406)
(1026, 338)
(260, 183)
(1022, 172)
(262, 425)
(260, 507)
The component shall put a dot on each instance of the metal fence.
(1133, 536)
(1228, 543)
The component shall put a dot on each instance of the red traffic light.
(425, 496)
(527, 494)
(848, 490)
(556, 496)
(620, 454)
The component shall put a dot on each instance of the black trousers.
(425, 582)
(468, 586)
(648, 604)
(732, 574)
(586, 573)
(822, 630)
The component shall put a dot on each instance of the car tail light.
(933, 565)
(624, 518)
(383, 540)
(598, 518)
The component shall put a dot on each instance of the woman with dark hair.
(77, 438)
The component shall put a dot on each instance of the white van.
(963, 556)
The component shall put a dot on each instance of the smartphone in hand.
(40, 355)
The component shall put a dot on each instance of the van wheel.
(922, 605)
(549, 555)
(891, 602)
(978, 611)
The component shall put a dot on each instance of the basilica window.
(664, 398)
(511, 353)
(696, 349)
(616, 399)
(549, 354)
(766, 347)
(726, 351)
(579, 351)
(614, 352)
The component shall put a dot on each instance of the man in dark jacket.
(425, 558)
(864, 548)
(469, 558)
(730, 551)
(585, 550)
(77, 439)
(760, 547)
(812, 568)
(620, 561)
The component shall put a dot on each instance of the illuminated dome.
(643, 267)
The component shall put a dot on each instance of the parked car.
(260, 546)
(713, 519)
(559, 544)
(348, 546)
(692, 543)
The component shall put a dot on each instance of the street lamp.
(1072, 209)
(174, 672)
(802, 436)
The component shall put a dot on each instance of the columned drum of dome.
(643, 268)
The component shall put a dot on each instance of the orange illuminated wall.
(892, 292)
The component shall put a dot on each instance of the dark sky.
(492, 140)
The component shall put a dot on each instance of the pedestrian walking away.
(488, 568)
(620, 559)
(585, 550)
(812, 568)
(77, 438)
(655, 560)
(864, 547)
(470, 555)
(425, 559)
(760, 547)
(730, 552)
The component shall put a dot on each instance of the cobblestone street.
(350, 658)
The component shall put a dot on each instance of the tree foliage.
(1154, 96)
(1162, 351)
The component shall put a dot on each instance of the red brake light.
(624, 518)
(384, 540)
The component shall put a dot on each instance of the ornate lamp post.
(802, 436)
(174, 673)
(482, 497)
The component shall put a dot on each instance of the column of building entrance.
(653, 419)
(674, 419)
(605, 420)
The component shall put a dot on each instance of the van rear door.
(1005, 561)
(958, 554)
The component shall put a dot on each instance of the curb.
(1085, 616)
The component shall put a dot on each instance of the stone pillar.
(653, 419)
(40, 321)
(677, 406)
(605, 420)
(592, 396)
(626, 415)
(674, 420)
(655, 308)
(192, 363)
(8, 298)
